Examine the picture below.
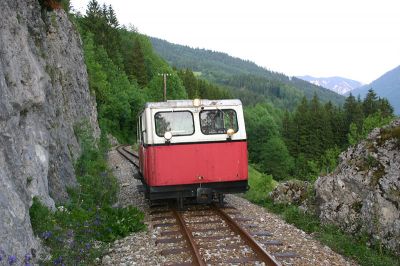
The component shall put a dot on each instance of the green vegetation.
(260, 185)
(249, 82)
(315, 134)
(78, 231)
(354, 247)
(125, 72)
(295, 130)
(391, 133)
(388, 86)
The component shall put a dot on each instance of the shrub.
(260, 185)
(77, 232)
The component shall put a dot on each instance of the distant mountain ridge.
(337, 84)
(247, 80)
(387, 86)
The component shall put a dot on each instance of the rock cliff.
(363, 194)
(43, 94)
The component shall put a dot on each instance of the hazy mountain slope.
(388, 86)
(241, 74)
(337, 84)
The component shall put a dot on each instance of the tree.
(385, 108)
(370, 104)
(137, 65)
(111, 17)
(262, 126)
(190, 83)
(275, 158)
(102, 22)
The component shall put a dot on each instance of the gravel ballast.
(141, 249)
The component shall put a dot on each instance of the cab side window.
(218, 121)
(179, 123)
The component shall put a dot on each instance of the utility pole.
(165, 84)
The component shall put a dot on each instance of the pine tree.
(137, 65)
(385, 108)
(112, 17)
(370, 104)
(190, 83)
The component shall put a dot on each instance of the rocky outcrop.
(290, 192)
(43, 94)
(363, 194)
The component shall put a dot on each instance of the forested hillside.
(388, 86)
(247, 80)
(125, 72)
(301, 142)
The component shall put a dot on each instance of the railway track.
(210, 235)
(132, 157)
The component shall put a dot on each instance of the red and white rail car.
(193, 149)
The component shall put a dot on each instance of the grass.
(352, 246)
(78, 231)
(390, 133)
(260, 185)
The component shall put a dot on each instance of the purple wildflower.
(2, 254)
(87, 245)
(59, 260)
(97, 221)
(12, 260)
(28, 258)
(70, 233)
(46, 235)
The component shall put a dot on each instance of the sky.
(354, 39)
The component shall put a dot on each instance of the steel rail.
(187, 234)
(262, 254)
(131, 153)
(124, 153)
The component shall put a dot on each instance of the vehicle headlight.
(167, 135)
(196, 102)
(230, 132)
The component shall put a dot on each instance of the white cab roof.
(189, 103)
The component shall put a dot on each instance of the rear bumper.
(189, 191)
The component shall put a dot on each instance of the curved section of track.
(127, 154)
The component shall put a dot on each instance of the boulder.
(363, 194)
(290, 192)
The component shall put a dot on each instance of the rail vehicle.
(192, 149)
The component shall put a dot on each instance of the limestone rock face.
(363, 194)
(43, 94)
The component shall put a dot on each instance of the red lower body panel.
(181, 164)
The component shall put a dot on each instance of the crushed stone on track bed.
(141, 248)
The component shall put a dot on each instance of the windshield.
(179, 123)
(218, 121)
